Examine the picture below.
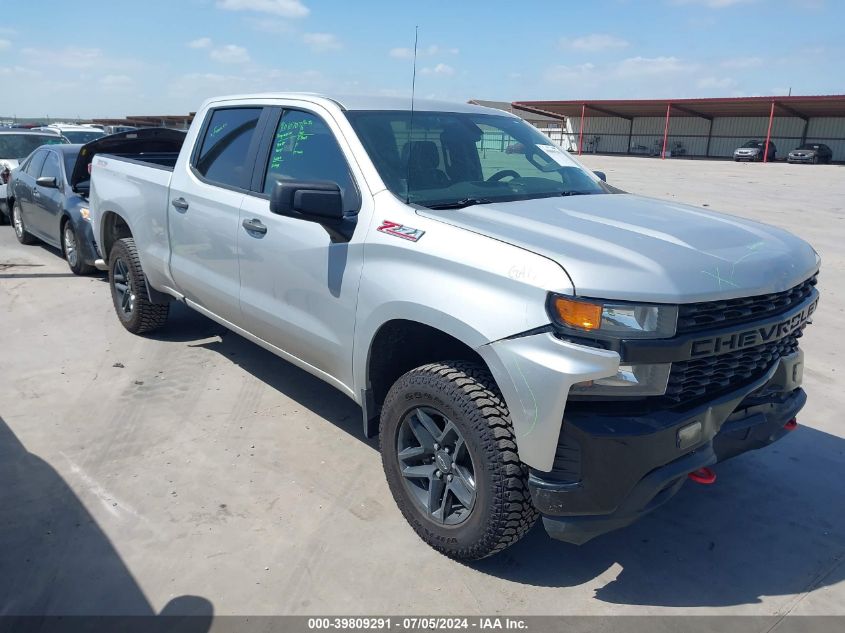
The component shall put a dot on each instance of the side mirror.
(48, 182)
(602, 176)
(313, 201)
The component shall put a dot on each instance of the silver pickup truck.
(525, 339)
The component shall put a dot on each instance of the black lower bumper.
(620, 467)
(87, 245)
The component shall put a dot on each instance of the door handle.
(255, 226)
(180, 203)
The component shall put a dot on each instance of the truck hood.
(621, 246)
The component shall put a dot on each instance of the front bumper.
(621, 467)
(87, 245)
(799, 159)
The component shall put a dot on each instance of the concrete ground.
(192, 465)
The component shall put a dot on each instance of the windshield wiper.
(576, 193)
(460, 204)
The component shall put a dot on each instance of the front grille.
(694, 379)
(693, 317)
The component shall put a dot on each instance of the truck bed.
(160, 160)
(137, 189)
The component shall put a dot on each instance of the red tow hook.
(791, 425)
(703, 476)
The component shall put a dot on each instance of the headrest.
(422, 154)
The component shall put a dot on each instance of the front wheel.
(451, 461)
(129, 290)
(73, 256)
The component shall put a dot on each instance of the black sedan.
(814, 153)
(47, 208)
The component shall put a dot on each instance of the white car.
(74, 133)
(15, 145)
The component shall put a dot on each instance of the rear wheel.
(20, 227)
(451, 463)
(129, 290)
(70, 247)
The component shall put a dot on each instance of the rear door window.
(223, 157)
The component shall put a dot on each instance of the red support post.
(581, 131)
(769, 133)
(666, 130)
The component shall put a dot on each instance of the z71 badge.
(398, 230)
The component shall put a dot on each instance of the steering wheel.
(503, 174)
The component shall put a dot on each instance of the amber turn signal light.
(578, 314)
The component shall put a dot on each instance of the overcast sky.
(93, 59)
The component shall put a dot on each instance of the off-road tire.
(23, 237)
(144, 316)
(467, 394)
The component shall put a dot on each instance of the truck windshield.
(82, 136)
(451, 160)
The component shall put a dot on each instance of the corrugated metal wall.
(688, 135)
(831, 131)
(731, 132)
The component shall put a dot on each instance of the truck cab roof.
(363, 102)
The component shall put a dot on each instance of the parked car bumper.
(799, 159)
(626, 466)
(4, 202)
(87, 243)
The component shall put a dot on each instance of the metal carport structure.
(710, 127)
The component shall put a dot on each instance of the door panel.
(204, 213)
(298, 289)
(25, 190)
(47, 203)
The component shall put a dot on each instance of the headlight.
(630, 380)
(622, 320)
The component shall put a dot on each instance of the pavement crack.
(814, 584)
(5, 265)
